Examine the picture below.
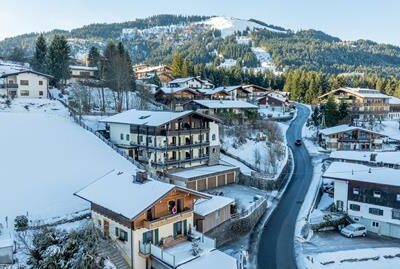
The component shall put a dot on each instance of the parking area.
(333, 241)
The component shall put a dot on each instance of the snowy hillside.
(46, 157)
(228, 26)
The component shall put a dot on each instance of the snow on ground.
(228, 26)
(325, 201)
(274, 112)
(264, 58)
(389, 128)
(46, 158)
(243, 195)
(388, 258)
(227, 63)
(224, 159)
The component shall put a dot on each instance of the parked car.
(354, 230)
(298, 142)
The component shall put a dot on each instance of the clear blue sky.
(347, 19)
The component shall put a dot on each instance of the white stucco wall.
(214, 130)
(341, 191)
(116, 129)
(34, 88)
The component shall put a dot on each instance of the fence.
(249, 210)
(78, 119)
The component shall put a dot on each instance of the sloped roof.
(224, 104)
(389, 157)
(345, 128)
(170, 90)
(203, 207)
(117, 192)
(150, 118)
(361, 92)
(358, 172)
(24, 71)
(83, 67)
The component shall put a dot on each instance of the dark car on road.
(298, 142)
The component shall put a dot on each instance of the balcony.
(9, 86)
(153, 224)
(185, 131)
(179, 251)
(171, 146)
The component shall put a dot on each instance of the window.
(24, 82)
(127, 137)
(356, 219)
(40, 93)
(375, 224)
(376, 211)
(213, 137)
(40, 82)
(356, 191)
(398, 197)
(24, 93)
(121, 234)
(140, 138)
(377, 194)
(149, 140)
(121, 136)
(148, 237)
(354, 207)
(396, 214)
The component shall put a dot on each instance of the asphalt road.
(277, 240)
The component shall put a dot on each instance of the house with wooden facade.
(165, 140)
(150, 222)
(347, 137)
(369, 195)
(274, 100)
(81, 72)
(167, 95)
(24, 83)
(256, 91)
(219, 107)
(210, 213)
(190, 82)
(363, 104)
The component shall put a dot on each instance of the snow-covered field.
(374, 258)
(229, 26)
(389, 128)
(45, 158)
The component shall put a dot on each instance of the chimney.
(369, 170)
(372, 157)
(140, 177)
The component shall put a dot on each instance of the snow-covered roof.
(203, 207)
(6, 239)
(202, 171)
(362, 92)
(181, 80)
(224, 104)
(388, 157)
(83, 67)
(358, 172)
(394, 100)
(170, 90)
(212, 91)
(118, 192)
(230, 88)
(212, 260)
(5, 72)
(147, 118)
(344, 128)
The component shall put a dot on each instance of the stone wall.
(235, 228)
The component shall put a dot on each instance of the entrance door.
(106, 229)
(179, 205)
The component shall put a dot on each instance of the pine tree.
(330, 112)
(177, 64)
(94, 57)
(58, 59)
(39, 58)
(343, 111)
(187, 68)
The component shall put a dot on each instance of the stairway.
(107, 249)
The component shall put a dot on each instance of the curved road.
(277, 240)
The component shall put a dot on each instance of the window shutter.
(156, 236)
(185, 227)
(175, 230)
(144, 238)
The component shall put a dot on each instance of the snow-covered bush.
(21, 223)
(52, 248)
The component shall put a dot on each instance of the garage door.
(212, 182)
(221, 180)
(201, 184)
(191, 185)
(394, 230)
(231, 178)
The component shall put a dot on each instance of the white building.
(369, 195)
(215, 107)
(347, 137)
(152, 223)
(6, 246)
(24, 83)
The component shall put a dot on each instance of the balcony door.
(106, 229)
